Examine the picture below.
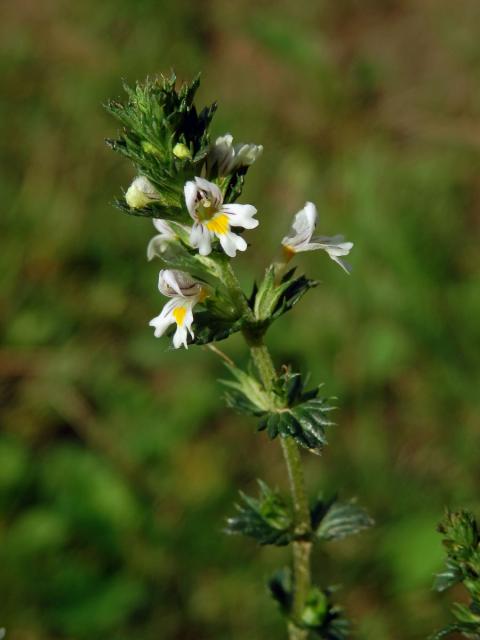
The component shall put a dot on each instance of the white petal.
(241, 215)
(231, 243)
(246, 154)
(180, 337)
(190, 190)
(156, 246)
(174, 283)
(164, 319)
(168, 279)
(345, 266)
(200, 239)
(225, 140)
(163, 226)
(335, 245)
(302, 228)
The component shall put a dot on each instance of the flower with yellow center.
(184, 293)
(301, 238)
(212, 218)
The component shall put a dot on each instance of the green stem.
(301, 545)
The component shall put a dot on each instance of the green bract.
(290, 411)
(332, 520)
(267, 519)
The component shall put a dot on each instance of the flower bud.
(181, 151)
(141, 193)
(148, 147)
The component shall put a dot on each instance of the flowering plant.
(189, 186)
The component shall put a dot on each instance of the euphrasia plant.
(462, 542)
(189, 186)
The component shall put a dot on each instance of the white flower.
(212, 218)
(227, 157)
(185, 292)
(140, 193)
(158, 244)
(300, 238)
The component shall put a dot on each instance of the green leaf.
(294, 289)
(153, 210)
(246, 394)
(449, 577)
(210, 328)
(281, 589)
(267, 519)
(333, 520)
(272, 298)
(288, 411)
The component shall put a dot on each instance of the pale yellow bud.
(141, 193)
(181, 151)
(148, 147)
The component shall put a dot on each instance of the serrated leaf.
(336, 520)
(449, 577)
(246, 394)
(291, 294)
(281, 588)
(209, 328)
(273, 298)
(267, 519)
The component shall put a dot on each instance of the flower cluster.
(213, 220)
(189, 187)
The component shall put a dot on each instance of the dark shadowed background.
(118, 460)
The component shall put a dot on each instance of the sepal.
(267, 519)
(334, 520)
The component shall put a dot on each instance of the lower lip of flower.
(218, 224)
(179, 314)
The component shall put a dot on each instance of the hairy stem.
(301, 545)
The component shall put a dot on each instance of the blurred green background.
(118, 460)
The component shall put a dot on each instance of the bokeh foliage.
(118, 462)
